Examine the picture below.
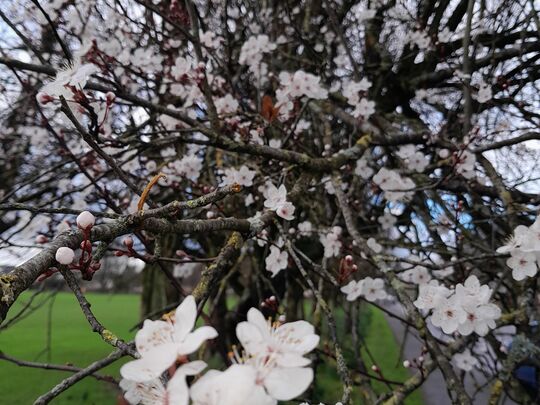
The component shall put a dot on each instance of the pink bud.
(374, 368)
(210, 214)
(110, 96)
(128, 242)
(349, 259)
(65, 255)
(41, 239)
(85, 220)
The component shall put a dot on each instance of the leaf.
(268, 111)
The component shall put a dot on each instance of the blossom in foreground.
(154, 392)
(287, 343)
(242, 176)
(161, 343)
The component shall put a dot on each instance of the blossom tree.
(314, 158)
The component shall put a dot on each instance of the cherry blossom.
(160, 343)
(277, 260)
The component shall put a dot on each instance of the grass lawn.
(71, 340)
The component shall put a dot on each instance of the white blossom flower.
(387, 220)
(523, 264)
(189, 166)
(431, 295)
(277, 260)
(353, 290)
(331, 243)
(465, 361)
(287, 343)
(160, 343)
(242, 176)
(448, 315)
(373, 289)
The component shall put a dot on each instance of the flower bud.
(406, 364)
(65, 255)
(41, 239)
(85, 220)
(110, 96)
(374, 368)
(349, 259)
(128, 242)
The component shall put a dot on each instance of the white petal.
(292, 360)
(177, 390)
(250, 337)
(151, 365)
(256, 317)
(153, 335)
(195, 339)
(192, 368)
(285, 384)
(184, 318)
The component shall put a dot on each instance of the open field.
(71, 340)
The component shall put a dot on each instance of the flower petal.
(250, 337)
(177, 389)
(184, 318)
(195, 339)
(192, 368)
(151, 365)
(285, 384)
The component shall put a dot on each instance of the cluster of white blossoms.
(372, 289)
(414, 159)
(226, 105)
(524, 249)
(242, 176)
(271, 368)
(464, 310)
(331, 243)
(295, 86)
(395, 187)
(362, 106)
(277, 260)
(276, 200)
(189, 166)
(253, 50)
(465, 164)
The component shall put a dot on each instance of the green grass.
(378, 337)
(71, 340)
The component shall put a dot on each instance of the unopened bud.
(85, 220)
(41, 239)
(406, 364)
(110, 96)
(128, 242)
